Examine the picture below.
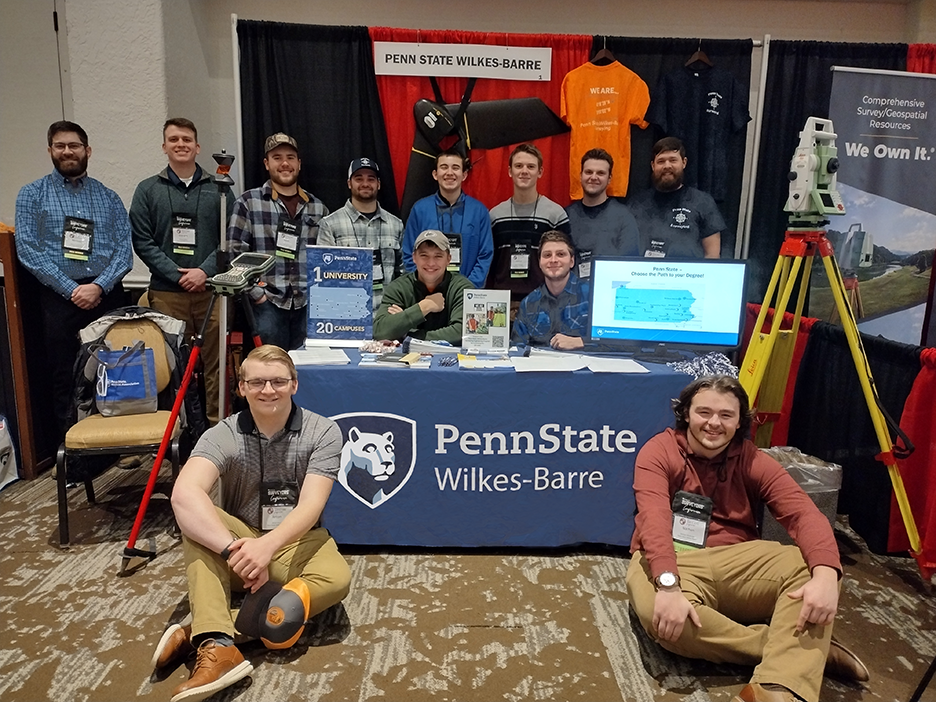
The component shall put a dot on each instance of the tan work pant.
(314, 558)
(735, 590)
(191, 308)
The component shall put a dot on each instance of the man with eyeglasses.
(73, 235)
(277, 463)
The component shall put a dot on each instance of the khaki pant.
(191, 308)
(314, 558)
(736, 590)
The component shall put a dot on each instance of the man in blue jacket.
(464, 220)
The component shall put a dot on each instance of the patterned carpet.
(417, 626)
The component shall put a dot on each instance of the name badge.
(454, 249)
(584, 266)
(657, 249)
(519, 259)
(692, 515)
(276, 501)
(287, 238)
(77, 238)
(183, 233)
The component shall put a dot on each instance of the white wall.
(134, 64)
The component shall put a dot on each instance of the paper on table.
(601, 364)
(549, 362)
(319, 356)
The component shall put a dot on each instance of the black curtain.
(799, 84)
(317, 84)
(830, 419)
(651, 59)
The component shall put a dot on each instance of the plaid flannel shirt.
(542, 315)
(41, 208)
(253, 226)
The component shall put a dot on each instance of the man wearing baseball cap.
(427, 303)
(281, 219)
(363, 223)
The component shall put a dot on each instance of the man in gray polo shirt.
(277, 463)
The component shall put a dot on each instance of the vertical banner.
(886, 127)
(340, 288)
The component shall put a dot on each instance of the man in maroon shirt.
(702, 582)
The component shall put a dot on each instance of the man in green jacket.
(427, 303)
(175, 218)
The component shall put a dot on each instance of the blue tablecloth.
(449, 457)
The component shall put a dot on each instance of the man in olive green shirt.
(427, 303)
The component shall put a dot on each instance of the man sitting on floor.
(556, 313)
(702, 582)
(277, 463)
(425, 304)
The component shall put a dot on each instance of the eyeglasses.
(72, 146)
(260, 383)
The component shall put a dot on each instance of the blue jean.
(284, 328)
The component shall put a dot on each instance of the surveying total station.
(766, 365)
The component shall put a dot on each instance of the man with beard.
(676, 220)
(175, 217)
(601, 225)
(363, 223)
(281, 219)
(73, 235)
(556, 313)
(702, 583)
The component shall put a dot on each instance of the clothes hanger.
(603, 54)
(700, 57)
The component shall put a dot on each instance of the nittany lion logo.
(377, 456)
(328, 258)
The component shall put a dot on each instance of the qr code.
(498, 342)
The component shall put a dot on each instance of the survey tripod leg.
(796, 255)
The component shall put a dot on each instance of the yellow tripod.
(757, 373)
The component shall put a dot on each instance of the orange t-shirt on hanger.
(600, 103)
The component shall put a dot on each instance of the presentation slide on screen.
(695, 303)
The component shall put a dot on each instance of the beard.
(71, 166)
(284, 179)
(667, 182)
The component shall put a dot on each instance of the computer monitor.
(664, 303)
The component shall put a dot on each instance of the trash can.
(820, 480)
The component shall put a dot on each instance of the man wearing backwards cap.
(363, 223)
(281, 219)
(278, 463)
(425, 304)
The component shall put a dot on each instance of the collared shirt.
(542, 315)
(309, 444)
(252, 227)
(349, 227)
(41, 209)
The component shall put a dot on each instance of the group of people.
(701, 582)
(703, 585)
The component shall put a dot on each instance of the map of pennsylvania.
(653, 305)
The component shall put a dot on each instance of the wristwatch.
(665, 579)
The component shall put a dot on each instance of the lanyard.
(169, 190)
(354, 222)
(513, 214)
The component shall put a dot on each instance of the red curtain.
(921, 58)
(488, 180)
(919, 471)
(781, 427)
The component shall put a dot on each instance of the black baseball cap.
(363, 162)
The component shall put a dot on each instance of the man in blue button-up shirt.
(73, 235)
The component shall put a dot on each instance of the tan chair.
(96, 435)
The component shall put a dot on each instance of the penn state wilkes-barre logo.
(377, 456)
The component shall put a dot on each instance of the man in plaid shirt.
(278, 218)
(363, 223)
(556, 313)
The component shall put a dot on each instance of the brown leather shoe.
(753, 692)
(216, 667)
(176, 643)
(842, 663)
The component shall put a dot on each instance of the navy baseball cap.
(363, 162)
